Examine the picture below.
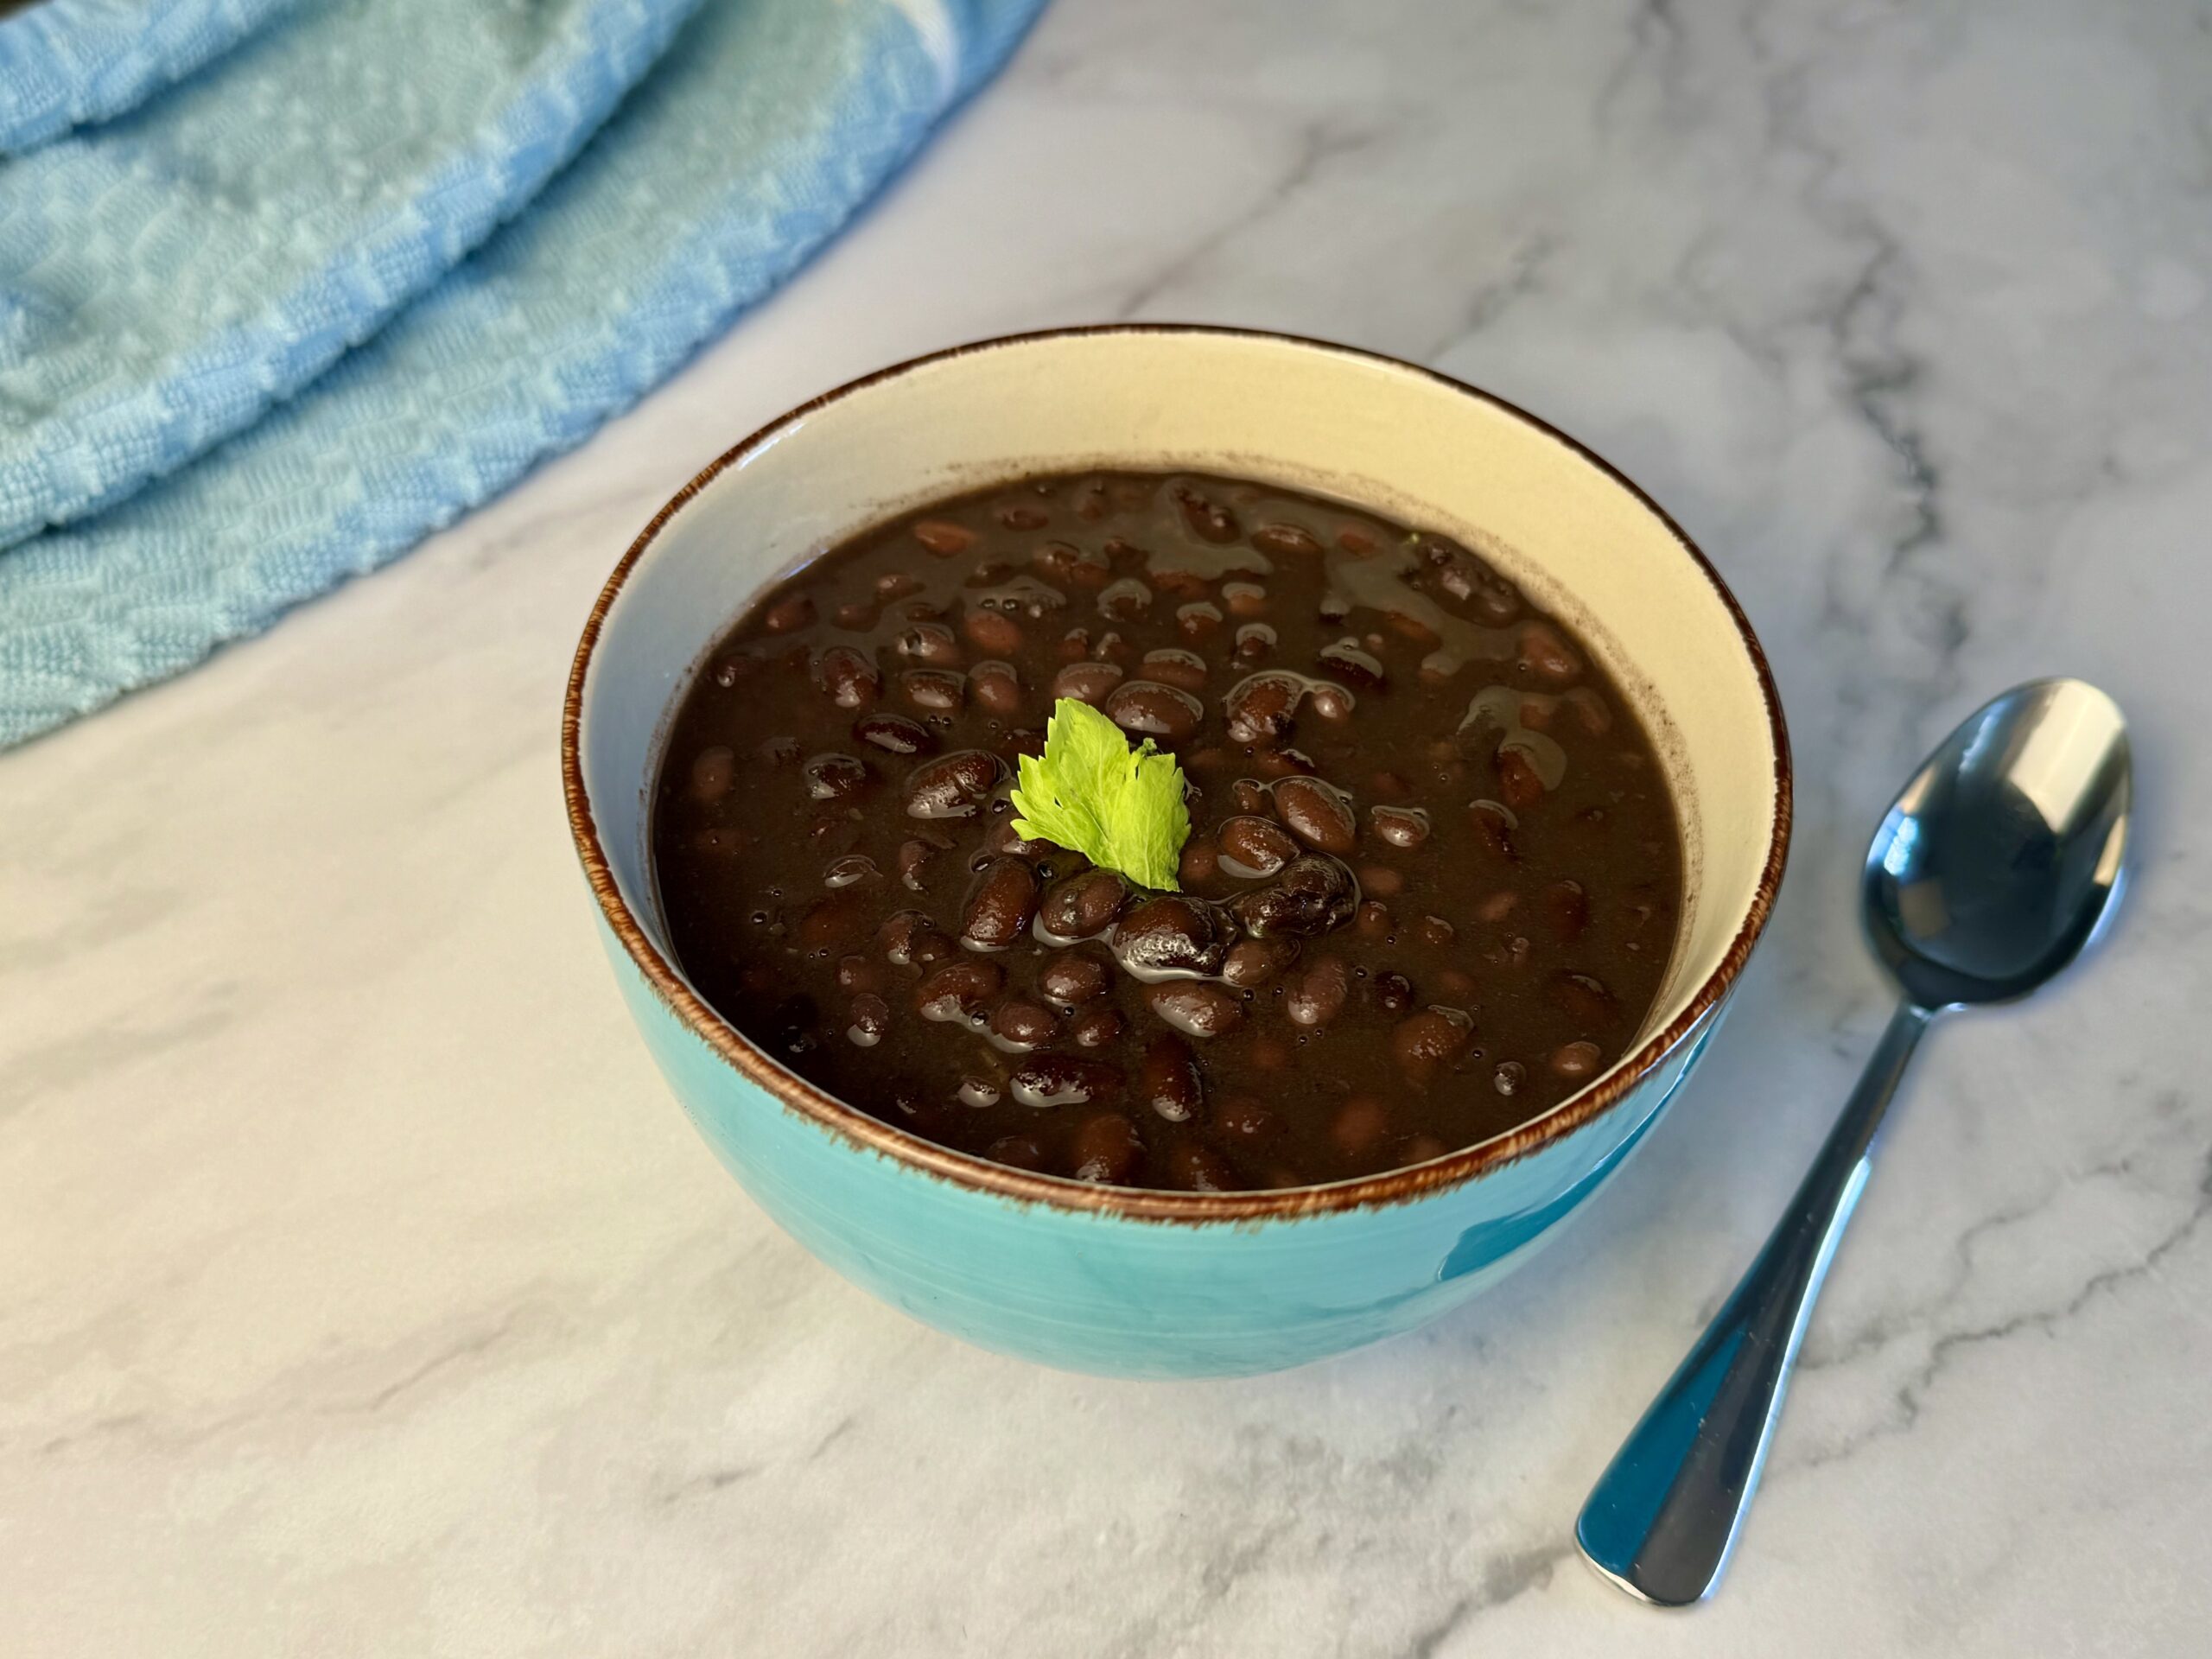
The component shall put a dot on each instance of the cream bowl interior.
(1575, 535)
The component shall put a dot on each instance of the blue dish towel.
(766, 125)
(167, 278)
(64, 62)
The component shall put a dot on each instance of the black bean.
(1195, 1008)
(1171, 665)
(1346, 660)
(1288, 541)
(1401, 826)
(992, 631)
(895, 735)
(1173, 936)
(1318, 813)
(1000, 902)
(833, 776)
(954, 786)
(1199, 619)
(847, 675)
(1585, 997)
(1045, 1080)
(1317, 996)
(1380, 880)
(1022, 1025)
(1314, 894)
(943, 537)
(858, 973)
(996, 686)
(910, 940)
(1393, 992)
(1577, 1062)
(1124, 600)
(1253, 849)
(1360, 1125)
(1086, 682)
(955, 989)
(1255, 962)
(1263, 708)
(934, 690)
(866, 1018)
(1069, 563)
(1468, 578)
(1151, 710)
(1494, 825)
(1565, 909)
(981, 1090)
(1589, 711)
(1098, 1029)
(1209, 520)
(1081, 907)
(1519, 784)
(788, 614)
(912, 863)
(853, 870)
(1199, 1168)
(1424, 1041)
(1544, 657)
(1105, 1149)
(932, 644)
(1072, 977)
(1332, 702)
(1168, 1079)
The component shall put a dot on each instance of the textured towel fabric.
(167, 276)
(66, 62)
(766, 126)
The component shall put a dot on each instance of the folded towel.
(163, 279)
(767, 123)
(64, 62)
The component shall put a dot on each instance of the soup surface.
(1430, 888)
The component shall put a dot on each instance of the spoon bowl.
(2000, 860)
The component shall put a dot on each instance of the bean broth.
(1430, 888)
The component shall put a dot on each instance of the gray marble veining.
(365, 1294)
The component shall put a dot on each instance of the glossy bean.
(1000, 903)
(1196, 1007)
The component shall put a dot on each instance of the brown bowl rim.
(998, 1180)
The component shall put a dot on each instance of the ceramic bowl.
(1149, 1283)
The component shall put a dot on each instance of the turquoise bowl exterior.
(1147, 1284)
(1121, 1295)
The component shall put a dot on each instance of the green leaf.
(1091, 793)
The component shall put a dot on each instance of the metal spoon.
(1995, 867)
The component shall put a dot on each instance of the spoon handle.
(1663, 1518)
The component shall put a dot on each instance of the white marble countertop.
(364, 1292)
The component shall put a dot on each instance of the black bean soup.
(1430, 889)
